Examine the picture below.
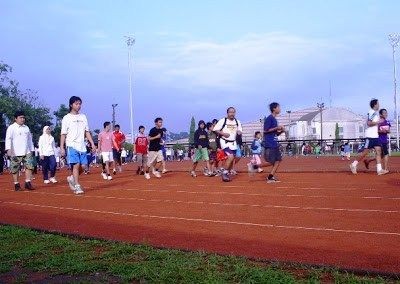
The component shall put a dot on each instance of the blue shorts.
(76, 157)
(371, 143)
(230, 152)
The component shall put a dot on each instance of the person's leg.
(378, 151)
(76, 168)
(45, 168)
(275, 167)
(52, 166)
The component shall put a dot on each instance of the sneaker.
(46, 181)
(114, 171)
(233, 172)
(218, 173)
(17, 187)
(353, 169)
(225, 176)
(382, 172)
(28, 186)
(141, 173)
(386, 171)
(156, 174)
(164, 171)
(78, 189)
(147, 176)
(71, 182)
(109, 178)
(366, 163)
(260, 170)
(53, 180)
(104, 175)
(193, 174)
(250, 168)
(120, 169)
(272, 180)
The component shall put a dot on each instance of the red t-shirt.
(119, 139)
(142, 144)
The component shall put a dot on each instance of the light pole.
(130, 41)
(394, 40)
(289, 112)
(321, 106)
(113, 114)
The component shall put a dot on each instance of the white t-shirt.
(372, 131)
(231, 127)
(75, 127)
(124, 154)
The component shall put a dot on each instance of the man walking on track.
(119, 140)
(228, 129)
(155, 155)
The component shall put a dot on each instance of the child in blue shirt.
(256, 149)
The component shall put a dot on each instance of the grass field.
(27, 256)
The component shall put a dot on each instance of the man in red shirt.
(141, 149)
(119, 140)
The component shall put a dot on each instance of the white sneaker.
(156, 174)
(193, 174)
(147, 176)
(164, 171)
(71, 182)
(46, 181)
(104, 176)
(353, 169)
(78, 189)
(382, 172)
(109, 178)
(386, 171)
(53, 180)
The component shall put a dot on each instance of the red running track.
(321, 218)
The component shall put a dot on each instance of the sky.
(196, 58)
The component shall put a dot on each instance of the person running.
(256, 150)
(106, 142)
(228, 128)
(272, 153)
(384, 129)
(119, 140)
(141, 148)
(372, 140)
(201, 145)
(47, 152)
(155, 153)
(164, 151)
(213, 147)
(19, 148)
(74, 129)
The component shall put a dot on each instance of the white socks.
(355, 163)
(378, 167)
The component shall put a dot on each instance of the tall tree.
(192, 130)
(59, 114)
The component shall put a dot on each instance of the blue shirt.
(271, 138)
(257, 144)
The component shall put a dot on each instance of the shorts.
(213, 155)
(28, 160)
(107, 157)
(76, 157)
(272, 155)
(155, 156)
(385, 149)
(256, 160)
(117, 155)
(238, 153)
(201, 155)
(142, 159)
(230, 152)
(371, 143)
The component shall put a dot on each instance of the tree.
(192, 130)
(12, 99)
(178, 146)
(337, 135)
(59, 114)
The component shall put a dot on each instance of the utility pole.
(394, 40)
(289, 112)
(130, 41)
(321, 106)
(113, 115)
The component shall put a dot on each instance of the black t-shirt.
(155, 145)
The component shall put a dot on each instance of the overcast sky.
(199, 57)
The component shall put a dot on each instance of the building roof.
(335, 114)
(309, 116)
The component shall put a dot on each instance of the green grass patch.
(54, 255)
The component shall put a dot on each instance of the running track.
(318, 216)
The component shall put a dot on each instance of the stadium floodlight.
(113, 114)
(394, 40)
(130, 41)
(289, 112)
(321, 106)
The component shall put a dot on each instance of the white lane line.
(146, 216)
(269, 206)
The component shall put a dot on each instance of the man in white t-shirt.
(74, 130)
(228, 129)
(371, 139)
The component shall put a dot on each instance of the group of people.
(217, 144)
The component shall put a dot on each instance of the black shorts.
(385, 150)
(117, 155)
(272, 155)
(371, 143)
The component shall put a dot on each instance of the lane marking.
(248, 224)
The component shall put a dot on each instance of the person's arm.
(220, 131)
(151, 138)
(196, 139)
(40, 148)
(240, 128)
(370, 121)
(62, 145)
(8, 141)
(99, 144)
(88, 136)
(31, 147)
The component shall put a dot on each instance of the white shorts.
(57, 159)
(231, 145)
(154, 156)
(107, 156)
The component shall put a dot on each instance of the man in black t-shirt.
(155, 148)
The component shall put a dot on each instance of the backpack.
(223, 126)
